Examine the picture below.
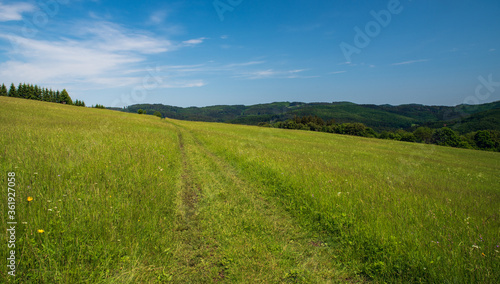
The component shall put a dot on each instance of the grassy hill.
(378, 117)
(127, 198)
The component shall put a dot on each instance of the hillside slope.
(131, 198)
(383, 117)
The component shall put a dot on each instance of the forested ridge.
(462, 126)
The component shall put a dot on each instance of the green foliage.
(483, 140)
(99, 106)
(423, 135)
(158, 114)
(65, 98)
(79, 103)
(34, 92)
(13, 91)
(446, 137)
(3, 91)
(463, 118)
(140, 111)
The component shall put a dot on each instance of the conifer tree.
(45, 95)
(3, 91)
(52, 96)
(37, 94)
(20, 91)
(12, 91)
(65, 98)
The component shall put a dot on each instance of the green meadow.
(109, 197)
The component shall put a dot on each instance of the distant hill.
(463, 118)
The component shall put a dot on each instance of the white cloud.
(410, 62)
(13, 12)
(62, 61)
(492, 49)
(184, 84)
(271, 73)
(98, 56)
(112, 37)
(194, 41)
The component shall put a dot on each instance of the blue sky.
(206, 52)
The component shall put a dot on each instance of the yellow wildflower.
(40, 231)
(30, 198)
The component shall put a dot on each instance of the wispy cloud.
(242, 70)
(271, 73)
(410, 62)
(98, 55)
(195, 41)
(244, 64)
(13, 12)
(63, 61)
(112, 37)
(337, 72)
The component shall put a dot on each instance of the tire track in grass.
(190, 191)
(190, 246)
(257, 242)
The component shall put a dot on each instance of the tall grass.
(103, 187)
(395, 212)
(127, 198)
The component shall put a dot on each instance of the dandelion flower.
(30, 198)
(483, 254)
(40, 231)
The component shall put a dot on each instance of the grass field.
(127, 198)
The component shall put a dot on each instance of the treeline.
(445, 136)
(34, 92)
